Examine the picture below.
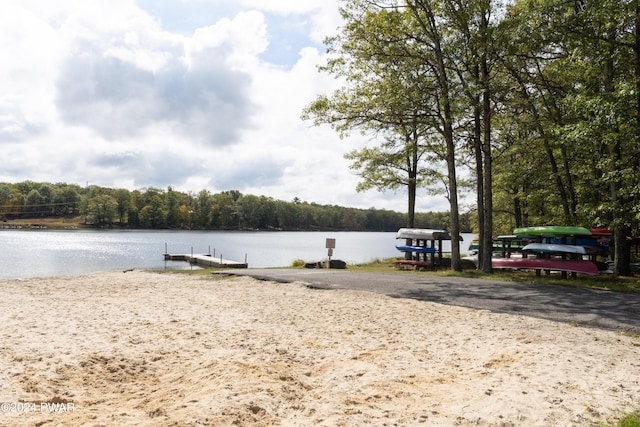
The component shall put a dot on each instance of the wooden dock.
(205, 260)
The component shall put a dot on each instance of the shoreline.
(144, 348)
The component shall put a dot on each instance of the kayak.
(417, 249)
(553, 248)
(569, 265)
(552, 230)
(422, 234)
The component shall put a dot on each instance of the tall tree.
(474, 54)
(11, 201)
(123, 198)
(385, 96)
(102, 209)
(429, 34)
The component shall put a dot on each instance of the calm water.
(37, 253)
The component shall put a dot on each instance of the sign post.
(330, 245)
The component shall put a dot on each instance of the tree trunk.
(487, 242)
(620, 231)
(411, 217)
(573, 199)
(477, 143)
(454, 214)
(517, 211)
(412, 160)
(636, 51)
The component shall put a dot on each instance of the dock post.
(166, 252)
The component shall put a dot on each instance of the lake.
(39, 253)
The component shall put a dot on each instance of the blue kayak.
(417, 249)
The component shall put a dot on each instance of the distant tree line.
(154, 208)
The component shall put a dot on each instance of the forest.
(153, 208)
(534, 105)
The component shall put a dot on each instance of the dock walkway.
(205, 260)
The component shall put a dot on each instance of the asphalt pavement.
(588, 307)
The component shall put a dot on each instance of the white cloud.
(191, 86)
(29, 50)
(240, 40)
(107, 93)
(324, 16)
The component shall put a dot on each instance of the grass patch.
(602, 282)
(377, 265)
(631, 419)
(49, 222)
(605, 282)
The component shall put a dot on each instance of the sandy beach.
(150, 349)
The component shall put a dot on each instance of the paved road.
(609, 310)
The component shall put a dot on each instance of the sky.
(192, 94)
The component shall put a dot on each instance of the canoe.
(417, 249)
(552, 230)
(510, 237)
(553, 248)
(569, 265)
(512, 241)
(423, 234)
(417, 264)
(509, 243)
(601, 232)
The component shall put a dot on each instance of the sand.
(151, 349)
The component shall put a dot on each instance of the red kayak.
(570, 265)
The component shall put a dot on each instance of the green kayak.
(552, 230)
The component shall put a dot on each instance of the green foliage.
(574, 115)
(101, 210)
(631, 420)
(389, 95)
(297, 263)
(229, 210)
